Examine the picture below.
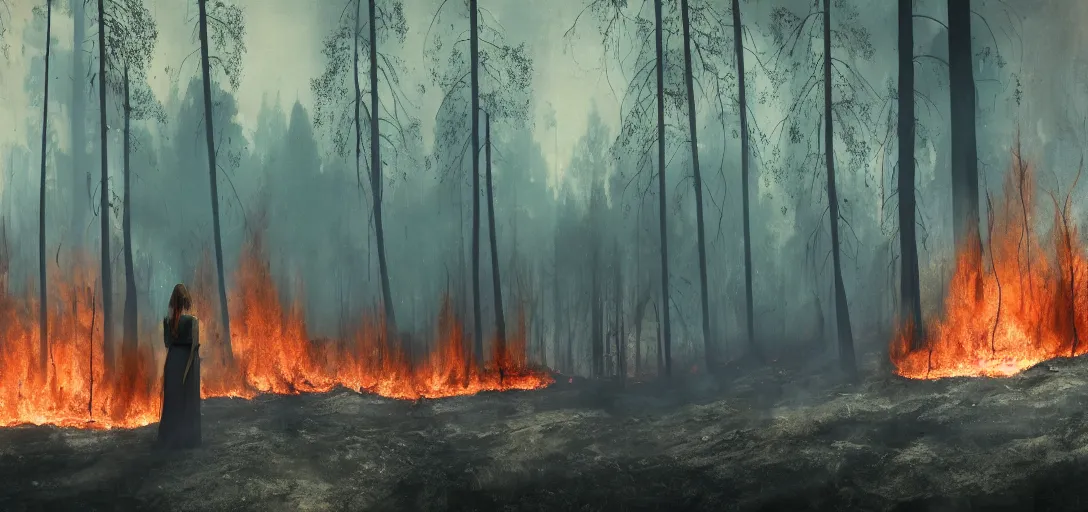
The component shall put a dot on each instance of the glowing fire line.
(1012, 306)
(271, 354)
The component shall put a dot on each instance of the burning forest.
(577, 255)
(271, 353)
(1015, 300)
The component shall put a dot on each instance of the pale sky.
(283, 40)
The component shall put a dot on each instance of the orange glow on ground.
(1026, 304)
(271, 354)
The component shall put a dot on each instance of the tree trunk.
(909, 287)
(376, 183)
(617, 313)
(596, 322)
(496, 283)
(358, 104)
(224, 311)
(104, 196)
(129, 335)
(640, 311)
(640, 308)
(5, 255)
(557, 311)
(461, 263)
(660, 344)
(746, 191)
(622, 349)
(474, 59)
(469, 352)
(666, 336)
(81, 179)
(541, 326)
(697, 178)
(43, 289)
(964, 150)
(842, 314)
(538, 317)
(570, 342)
(608, 324)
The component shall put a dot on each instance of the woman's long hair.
(179, 302)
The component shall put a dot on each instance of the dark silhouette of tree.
(508, 71)
(793, 35)
(293, 178)
(104, 198)
(618, 326)
(596, 301)
(842, 316)
(474, 88)
(184, 171)
(846, 336)
(689, 86)
(376, 169)
(43, 290)
(705, 55)
(613, 20)
(964, 152)
(225, 27)
(131, 38)
(745, 167)
(496, 282)
(39, 44)
(127, 36)
(5, 16)
(961, 88)
(523, 204)
(129, 322)
(583, 228)
(346, 45)
(81, 178)
(660, 52)
(909, 287)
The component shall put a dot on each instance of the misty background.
(572, 205)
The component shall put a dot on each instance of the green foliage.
(334, 89)
(505, 74)
(187, 156)
(857, 106)
(333, 98)
(271, 124)
(591, 161)
(131, 36)
(5, 18)
(712, 72)
(227, 36)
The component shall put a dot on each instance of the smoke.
(280, 173)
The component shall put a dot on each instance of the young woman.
(179, 424)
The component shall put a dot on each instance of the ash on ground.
(767, 439)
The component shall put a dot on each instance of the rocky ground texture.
(767, 439)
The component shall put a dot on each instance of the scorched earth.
(774, 439)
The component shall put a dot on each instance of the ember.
(271, 354)
(1023, 306)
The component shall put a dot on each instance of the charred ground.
(776, 438)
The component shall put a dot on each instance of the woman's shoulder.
(191, 318)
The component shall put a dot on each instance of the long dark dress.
(179, 425)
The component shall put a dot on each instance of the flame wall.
(271, 353)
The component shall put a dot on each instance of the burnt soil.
(765, 439)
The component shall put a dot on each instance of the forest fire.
(1023, 305)
(271, 353)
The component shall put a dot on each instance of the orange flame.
(1012, 305)
(271, 353)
